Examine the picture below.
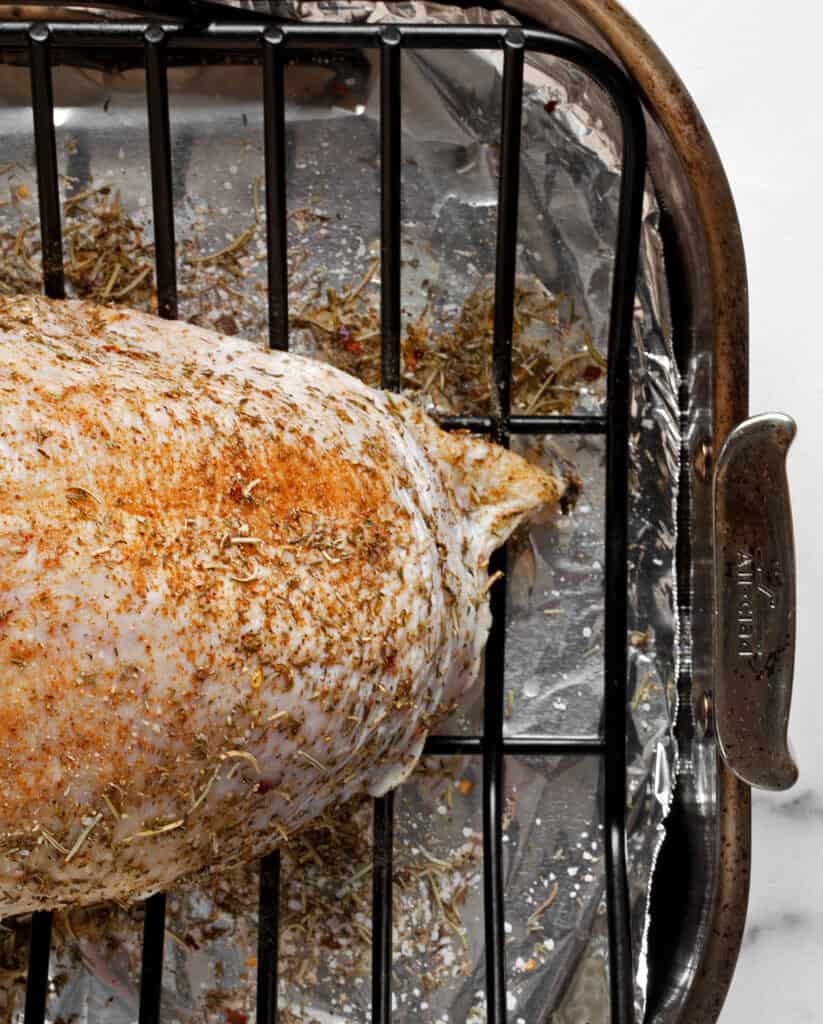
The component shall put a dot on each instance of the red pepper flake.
(413, 358)
(236, 1017)
(592, 373)
(346, 339)
(236, 491)
(551, 105)
(264, 786)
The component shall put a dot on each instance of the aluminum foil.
(557, 949)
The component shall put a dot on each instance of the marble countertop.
(754, 72)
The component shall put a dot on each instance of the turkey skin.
(236, 587)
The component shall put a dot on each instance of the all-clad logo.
(756, 592)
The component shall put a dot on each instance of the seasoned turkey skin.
(236, 586)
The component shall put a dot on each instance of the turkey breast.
(236, 586)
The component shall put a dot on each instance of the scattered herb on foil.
(109, 257)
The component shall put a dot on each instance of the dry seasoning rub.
(236, 588)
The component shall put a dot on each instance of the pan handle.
(754, 627)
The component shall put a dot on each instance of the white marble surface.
(754, 69)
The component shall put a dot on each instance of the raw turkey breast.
(236, 586)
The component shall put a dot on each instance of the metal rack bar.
(558, 425)
(37, 978)
(274, 122)
(383, 858)
(504, 278)
(621, 973)
(508, 195)
(165, 260)
(268, 925)
(545, 745)
(151, 970)
(390, 317)
(476, 424)
(390, 187)
(231, 37)
(277, 267)
(157, 94)
(537, 425)
(48, 191)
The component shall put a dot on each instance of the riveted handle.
(755, 602)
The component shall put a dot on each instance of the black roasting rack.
(223, 32)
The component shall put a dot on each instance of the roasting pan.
(733, 557)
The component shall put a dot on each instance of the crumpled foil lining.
(557, 951)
